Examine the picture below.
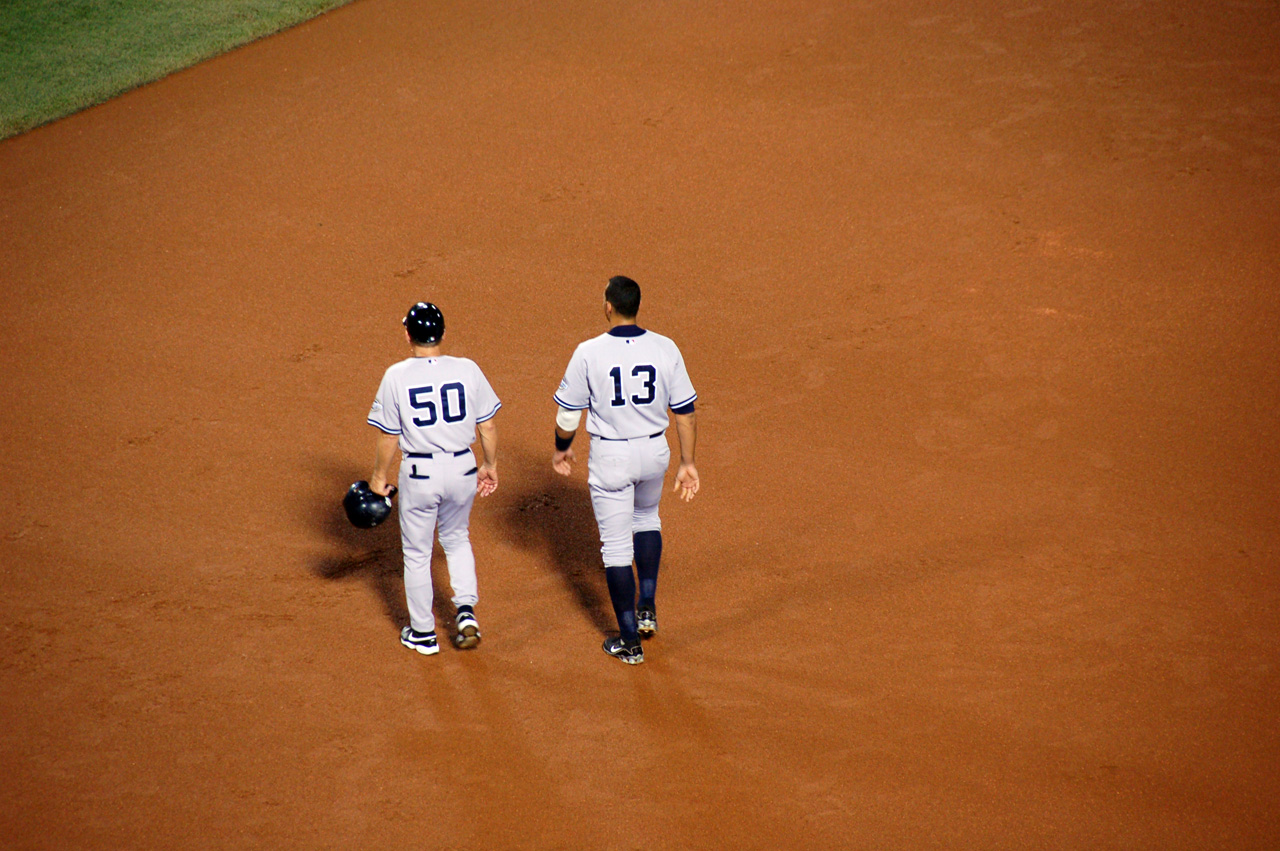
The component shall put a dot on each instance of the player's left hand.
(686, 482)
(486, 480)
(562, 462)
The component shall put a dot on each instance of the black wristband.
(563, 443)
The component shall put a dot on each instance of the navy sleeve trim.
(489, 415)
(381, 427)
(569, 407)
(688, 401)
(683, 409)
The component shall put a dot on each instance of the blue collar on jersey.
(626, 331)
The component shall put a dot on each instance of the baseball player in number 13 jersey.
(626, 380)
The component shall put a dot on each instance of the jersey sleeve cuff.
(683, 409)
(384, 429)
(686, 403)
(489, 415)
(569, 407)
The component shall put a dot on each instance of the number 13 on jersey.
(648, 383)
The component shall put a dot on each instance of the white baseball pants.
(625, 478)
(437, 491)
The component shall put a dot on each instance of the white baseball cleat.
(424, 642)
(468, 635)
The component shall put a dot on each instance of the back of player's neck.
(426, 351)
(616, 321)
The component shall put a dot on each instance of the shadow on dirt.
(551, 516)
(543, 513)
(372, 555)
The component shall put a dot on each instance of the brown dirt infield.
(981, 303)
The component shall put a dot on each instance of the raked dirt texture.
(980, 303)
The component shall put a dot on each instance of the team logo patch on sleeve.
(377, 408)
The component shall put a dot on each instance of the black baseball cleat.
(646, 623)
(423, 642)
(468, 634)
(628, 651)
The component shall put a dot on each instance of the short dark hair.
(624, 294)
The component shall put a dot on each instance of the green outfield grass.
(59, 56)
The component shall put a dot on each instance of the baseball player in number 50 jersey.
(626, 379)
(429, 407)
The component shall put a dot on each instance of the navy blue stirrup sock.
(622, 590)
(648, 547)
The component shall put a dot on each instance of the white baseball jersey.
(433, 403)
(626, 379)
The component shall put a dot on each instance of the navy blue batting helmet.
(425, 323)
(366, 509)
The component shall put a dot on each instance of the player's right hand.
(686, 482)
(562, 462)
(486, 480)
